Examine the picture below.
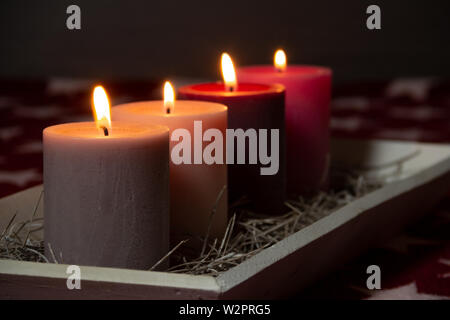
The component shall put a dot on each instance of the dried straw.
(247, 233)
(16, 241)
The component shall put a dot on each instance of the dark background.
(154, 39)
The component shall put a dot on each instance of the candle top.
(291, 70)
(181, 108)
(119, 130)
(243, 89)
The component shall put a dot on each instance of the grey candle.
(106, 195)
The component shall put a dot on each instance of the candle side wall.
(106, 202)
(308, 95)
(194, 188)
(258, 110)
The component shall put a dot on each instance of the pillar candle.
(308, 90)
(106, 197)
(195, 187)
(250, 106)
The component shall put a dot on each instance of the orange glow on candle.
(102, 110)
(169, 97)
(228, 73)
(279, 60)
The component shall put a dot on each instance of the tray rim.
(332, 221)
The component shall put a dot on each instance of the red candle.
(308, 91)
(250, 106)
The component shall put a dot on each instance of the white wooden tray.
(277, 271)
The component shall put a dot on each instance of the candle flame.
(169, 97)
(228, 72)
(102, 111)
(279, 60)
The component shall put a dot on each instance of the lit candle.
(106, 191)
(308, 90)
(196, 183)
(250, 106)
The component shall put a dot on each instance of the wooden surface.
(315, 259)
(28, 280)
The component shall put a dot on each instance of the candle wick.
(231, 88)
(168, 110)
(105, 131)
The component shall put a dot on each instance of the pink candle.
(195, 184)
(255, 107)
(308, 91)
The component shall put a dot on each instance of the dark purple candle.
(251, 106)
